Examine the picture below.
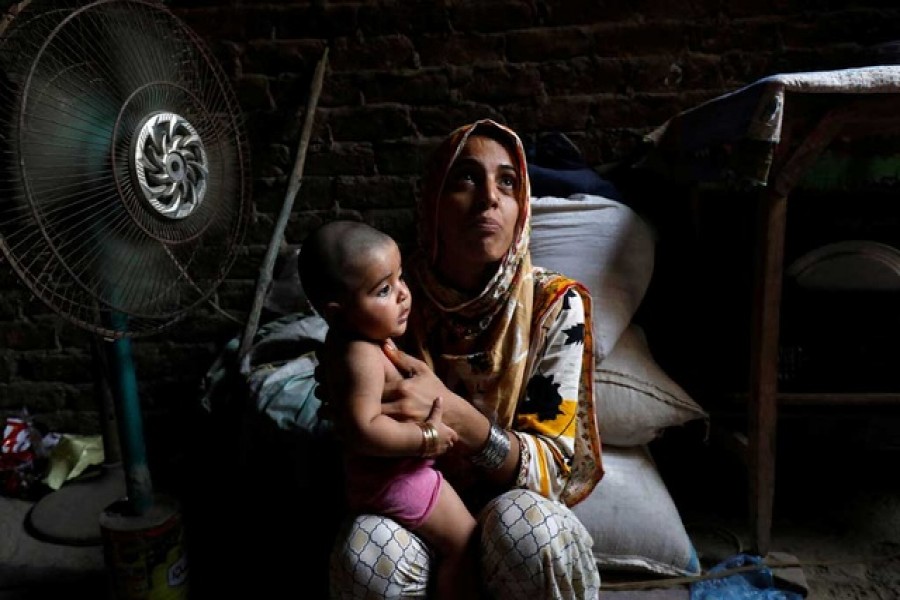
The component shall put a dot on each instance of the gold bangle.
(430, 439)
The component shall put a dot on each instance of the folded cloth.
(557, 168)
(756, 584)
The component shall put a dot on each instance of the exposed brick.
(229, 24)
(278, 56)
(304, 222)
(853, 26)
(566, 12)
(737, 9)
(819, 59)
(297, 21)
(290, 93)
(8, 277)
(382, 122)
(69, 335)
(408, 18)
(343, 88)
(11, 301)
(697, 71)
(82, 398)
(349, 158)
(583, 75)
(460, 48)
(26, 336)
(443, 120)
(253, 92)
(740, 68)
(638, 111)
(36, 396)
(69, 366)
(402, 157)
(502, 82)
(236, 294)
(35, 307)
(499, 15)
(207, 325)
(246, 266)
(364, 193)
(718, 37)
(7, 366)
(382, 53)
(78, 422)
(398, 223)
(640, 38)
(561, 113)
(315, 192)
(401, 75)
(161, 360)
(545, 44)
(684, 10)
(664, 74)
(410, 87)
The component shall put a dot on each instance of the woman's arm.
(356, 377)
(412, 397)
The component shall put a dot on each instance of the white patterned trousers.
(531, 547)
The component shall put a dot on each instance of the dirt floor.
(837, 502)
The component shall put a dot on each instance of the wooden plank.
(762, 406)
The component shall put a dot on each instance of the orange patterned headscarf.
(477, 344)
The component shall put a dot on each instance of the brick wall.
(400, 76)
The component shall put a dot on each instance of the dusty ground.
(837, 504)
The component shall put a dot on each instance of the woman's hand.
(412, 398)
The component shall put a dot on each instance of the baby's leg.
(449, 529)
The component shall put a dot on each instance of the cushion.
(603, 244)
(636, 399)
(633, 519)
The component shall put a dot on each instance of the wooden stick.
(265, 270)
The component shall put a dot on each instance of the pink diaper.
(407, 497)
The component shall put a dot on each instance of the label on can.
(145, 555)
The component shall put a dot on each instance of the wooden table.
(768, 135)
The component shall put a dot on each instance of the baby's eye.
(384, 291)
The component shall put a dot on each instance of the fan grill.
(79, 83)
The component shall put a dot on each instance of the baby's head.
(352, 275)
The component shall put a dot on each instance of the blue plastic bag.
(757, 584)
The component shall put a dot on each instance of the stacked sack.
(631, 515)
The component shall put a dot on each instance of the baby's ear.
(332, 311)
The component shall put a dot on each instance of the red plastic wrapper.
(22, 459)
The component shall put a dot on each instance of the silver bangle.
(494, 451)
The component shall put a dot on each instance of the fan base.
(71, 514)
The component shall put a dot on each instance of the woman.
(508, 349)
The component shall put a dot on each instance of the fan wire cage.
(124, 173)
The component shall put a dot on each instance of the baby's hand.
(447, 436)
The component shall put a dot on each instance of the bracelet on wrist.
(495, 450)
(430, 438)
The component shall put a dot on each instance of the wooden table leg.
(762, 407)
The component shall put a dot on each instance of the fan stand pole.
(71, 514)
(131, 429)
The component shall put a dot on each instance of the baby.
(352, 275)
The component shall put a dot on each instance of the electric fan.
(124, 191)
